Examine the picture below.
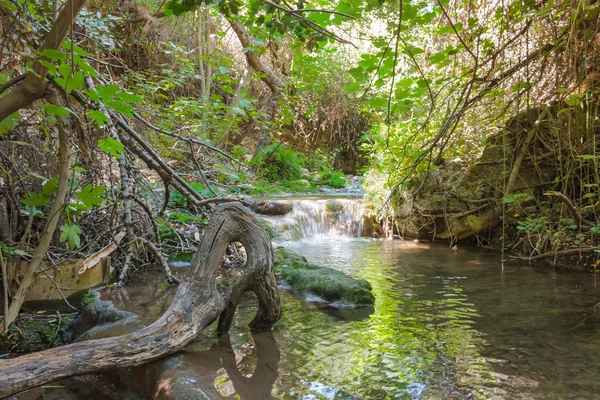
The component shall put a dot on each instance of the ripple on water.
(446, 325)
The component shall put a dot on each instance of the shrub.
(277, 162)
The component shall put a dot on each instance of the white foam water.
(321, 218)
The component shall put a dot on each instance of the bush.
(335, 179)
(277, 162)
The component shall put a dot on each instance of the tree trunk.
(274, 82)
(196, 305)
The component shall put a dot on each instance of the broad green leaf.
(49, 187)
(97, 116)
(9, 122)
(90, 195)
(74, 82)
(129, 97)
(377, 102)
(111, 146)
(108, 92)
(351, 87)
(120, 107)
(437, 58)
(54, 55)
(59, 111)
(70, 233)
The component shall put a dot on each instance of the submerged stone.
(327, 283)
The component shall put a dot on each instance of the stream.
(447, 324)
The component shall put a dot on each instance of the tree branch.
(34, 84)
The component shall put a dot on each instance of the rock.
(271, 207)
(99, 319)
(327, 283)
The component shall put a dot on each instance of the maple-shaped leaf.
(91, 196)
(70, 233)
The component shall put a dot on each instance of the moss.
(328, 283)
(31, 334)
(267, 227)
(88, 298)
(183, 256)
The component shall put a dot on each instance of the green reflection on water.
(445, 325)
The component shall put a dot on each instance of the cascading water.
(315, 218)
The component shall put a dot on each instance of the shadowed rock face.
(330, 284)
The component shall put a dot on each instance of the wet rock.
(271, 207)
(327, 283)
(99, 319)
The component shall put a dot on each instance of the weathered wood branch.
(512, 180)
(196, 305)
(560, 253)
(274, 82)
(579, 221)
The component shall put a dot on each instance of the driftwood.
(196, 305)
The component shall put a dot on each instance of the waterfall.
(321, 218)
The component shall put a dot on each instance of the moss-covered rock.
(328, 283)
(182, 257)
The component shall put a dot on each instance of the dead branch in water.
(196, 305)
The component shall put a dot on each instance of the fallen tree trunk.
(196, 305)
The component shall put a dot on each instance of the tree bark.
(196, 305)
(274, 82)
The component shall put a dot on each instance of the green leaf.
(573, 99)
(108, 92)
(9, 123)
(74, 82)
(351, 87)
(111, 146)
(91, 196)
(54, 55)
(520, 86)
(49, 187)
(129, 97)
(438, 58)
(55, 110)
(377, 102)
(120, 107)
(94, 96)
(70, 234)
(97, 116)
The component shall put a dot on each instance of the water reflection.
(260, 384)
(446, 325)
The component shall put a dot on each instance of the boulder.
(272, 207)
(327, 283)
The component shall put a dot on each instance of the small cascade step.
(321, 218)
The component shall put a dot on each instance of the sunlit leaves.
(112, 146)
(53, 109)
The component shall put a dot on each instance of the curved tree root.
(196, 305)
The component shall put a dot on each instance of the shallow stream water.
(447, 324)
